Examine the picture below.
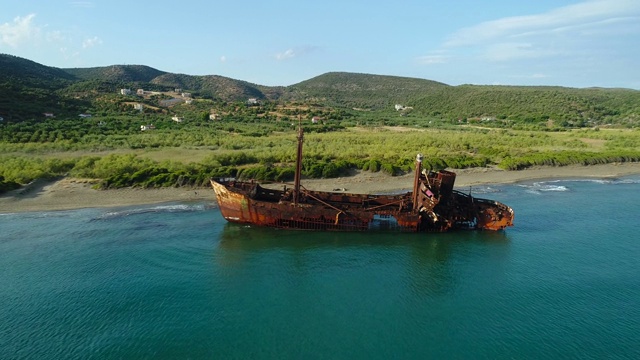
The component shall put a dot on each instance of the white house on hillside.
(125, 92)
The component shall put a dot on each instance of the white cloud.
(295, 52)
(19, 31)
(517, 51)
(286, 55)
(91, 42)
(573, 30)
(588, 14)
(433, 59)
(223, 59)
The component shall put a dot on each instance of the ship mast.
(416, 182)
(296, 185)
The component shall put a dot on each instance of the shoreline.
(71, 193)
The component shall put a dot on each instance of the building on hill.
(48, 114)
(138, 107)
(125, 92)
(147, 127)
(177, 119)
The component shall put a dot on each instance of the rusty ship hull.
(436, 208)
(433, 205)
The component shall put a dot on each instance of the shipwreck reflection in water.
(427, 264)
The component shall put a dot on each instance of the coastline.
(71, 193)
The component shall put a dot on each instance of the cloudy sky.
(580, 43)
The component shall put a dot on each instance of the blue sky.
(581, 43)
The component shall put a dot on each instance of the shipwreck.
(432, 206)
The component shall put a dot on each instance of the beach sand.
(70, 193)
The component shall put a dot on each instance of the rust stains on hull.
(433, 205)
(436, 208)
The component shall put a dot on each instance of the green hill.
(212, 86)
(532, 104)
(26, 73)
(28, 89)
(359, 90)
(117, 73)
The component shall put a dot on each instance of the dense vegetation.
(349, 122)
(533, 107)
(129, 158)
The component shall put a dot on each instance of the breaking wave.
(543, 187)
(482, 190)
(564, 184)
(613, 181)
(164, 208)
(627, 181)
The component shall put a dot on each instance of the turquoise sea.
(175, 281)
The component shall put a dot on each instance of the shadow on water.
(428, 263)
(250, 238)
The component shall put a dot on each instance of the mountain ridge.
(27, 89)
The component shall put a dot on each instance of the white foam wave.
(563, 185)
(44, 214)
(484, 190)
(164, 208)
(626, 181)
(542, 187)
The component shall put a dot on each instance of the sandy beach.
(70, 193)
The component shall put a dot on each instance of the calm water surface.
(176, 281)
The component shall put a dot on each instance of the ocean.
(175, 281)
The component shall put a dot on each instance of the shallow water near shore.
(176, 281)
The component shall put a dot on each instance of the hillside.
(28, 89)
(28, 74)
(117, 73)
(532, 104)
(211, 86)
(359, 90)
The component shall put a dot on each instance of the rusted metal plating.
(433, 205)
